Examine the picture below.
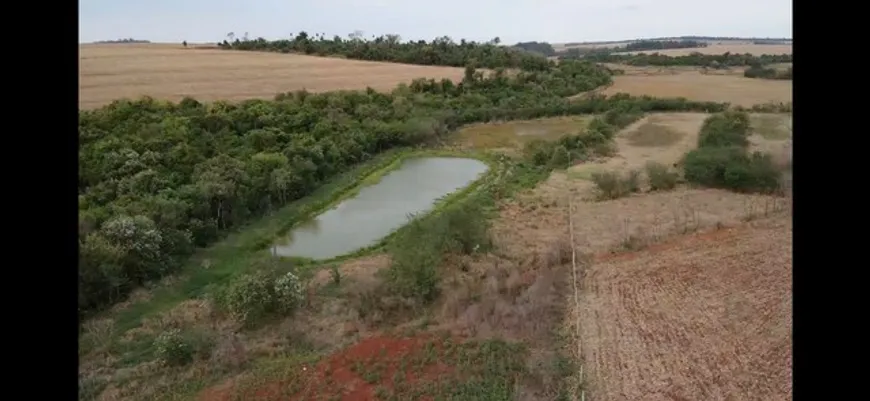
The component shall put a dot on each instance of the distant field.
(733, 89)
(714, 47)
(723, 48)
(168, 71)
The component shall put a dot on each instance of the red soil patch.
(354, 374)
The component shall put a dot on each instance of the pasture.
(169, 71)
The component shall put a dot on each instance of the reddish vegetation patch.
(355, 374)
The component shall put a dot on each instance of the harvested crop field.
(705, 317)
(736, 90)
(169, 71)
(743, 48)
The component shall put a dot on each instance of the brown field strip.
(171, 72)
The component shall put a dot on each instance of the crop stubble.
(697, 86)
(703, 318)
(110, 72)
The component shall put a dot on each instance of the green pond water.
(380, 209)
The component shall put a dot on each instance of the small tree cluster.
(768, 73)
(722, 159)
(596, 140)
(255, 295)
(661, 177)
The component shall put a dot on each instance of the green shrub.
(611, 185)
(250, 296)
(416, 254)
(727, 129)
(731, 168)
(288, 292)
(419, 248)
(172, 349)
(759, 174)
(661, 178)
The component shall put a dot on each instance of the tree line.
(660, 45)
(542, 48)
(694, 59)
(390, 48)
(768, 73)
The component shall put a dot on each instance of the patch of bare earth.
(706, 317)
(736, 90)
(171, 72)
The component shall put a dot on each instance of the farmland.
(696, 85)
(171, 72)
(714, 306)
(508, 289)
(735, 48)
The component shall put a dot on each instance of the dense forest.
(661, 45)
(695, 59)
(441, 51)
(158, 179)
(542, 48)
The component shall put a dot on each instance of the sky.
(554, 21)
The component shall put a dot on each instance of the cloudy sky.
(555, 21)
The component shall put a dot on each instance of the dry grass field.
(706, 317)
(742, 48)
(713, 47)
(169, 71)
(695, 85)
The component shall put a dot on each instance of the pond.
(380, 209)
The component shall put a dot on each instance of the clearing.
(169, 71)
(512, 135)
(695, 85)
(704, 317)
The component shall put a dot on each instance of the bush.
(172, 349)
(417, 254)
(661, 178)
(611, 186)
(250, 296)
(731, 168)
(730, 128)
(759, 174)
(288, 292)
(419, 248)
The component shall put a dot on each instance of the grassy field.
(169, 71)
